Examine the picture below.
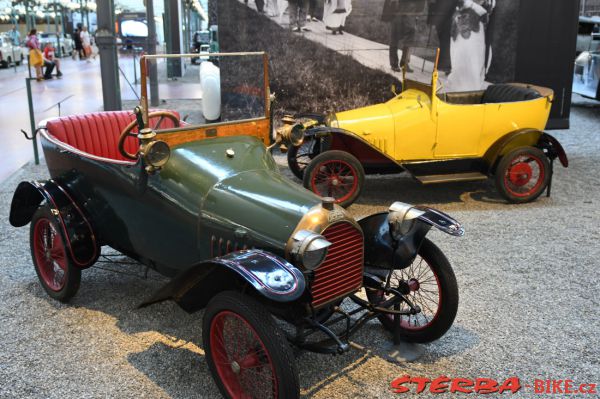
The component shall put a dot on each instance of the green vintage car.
(272, 265)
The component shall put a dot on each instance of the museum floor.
(527, 274)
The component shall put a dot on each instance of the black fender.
(383, 251)
(524, 138)
(553, 149)
(77, 231)
(269, 275)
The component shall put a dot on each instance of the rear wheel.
(432, 286)
(335, 174)
(246, 352)
(52, 262)
(523, 174)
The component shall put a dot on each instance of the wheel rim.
(524, 175)
(50, 255)
(240, 357)
(424, 291)
(335, 178)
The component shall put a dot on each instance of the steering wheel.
(161, 115)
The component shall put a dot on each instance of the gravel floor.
(527, 277)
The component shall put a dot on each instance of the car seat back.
(506, 93)
(98, 133)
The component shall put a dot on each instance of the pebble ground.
(527, 274)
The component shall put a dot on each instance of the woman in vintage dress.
(335, 13)
(469, 54)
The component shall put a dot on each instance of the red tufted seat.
(98, 133)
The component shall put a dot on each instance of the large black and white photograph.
(476, 40)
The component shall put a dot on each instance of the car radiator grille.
(341, 272)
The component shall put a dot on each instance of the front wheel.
(432, 286)
(299, 157)
(335, 174)
(52, 262)
(246, 352)
(523, 174)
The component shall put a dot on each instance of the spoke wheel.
(335, 174)
(246, 352)
(432, 287)
(522, 174)
(52, 264)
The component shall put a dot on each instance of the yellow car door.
(414, 126)
(459, 128)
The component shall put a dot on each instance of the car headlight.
(309, 249)
(402, 218)
(331, 120)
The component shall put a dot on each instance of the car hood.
(234, 184)
(367, 119)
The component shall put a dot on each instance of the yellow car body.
(415, 126)
(436, 137)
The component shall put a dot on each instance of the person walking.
(335, 14)
(298, 10)
(403, 15)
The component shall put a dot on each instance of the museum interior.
(299, 199)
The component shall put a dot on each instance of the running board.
(470, 176)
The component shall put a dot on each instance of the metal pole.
(36, 156)
(58, 49)
(107, 46)
(153, 68)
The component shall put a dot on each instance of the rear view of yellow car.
(436, 137)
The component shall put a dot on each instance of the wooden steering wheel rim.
(133, 124)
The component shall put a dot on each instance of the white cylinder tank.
(210, 80)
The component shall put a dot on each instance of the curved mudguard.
(76, 228)
(382, 251)
(271, 276)
(523, 138)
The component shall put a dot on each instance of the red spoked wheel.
(246, 352)
(52, 263)
(523, 174)
(432, 287)
(335, 174)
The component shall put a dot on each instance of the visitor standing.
(86, 42)
(15, 36)
(36, 58)
(298, 10)
(77, 42)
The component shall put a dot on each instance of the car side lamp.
(155, 153)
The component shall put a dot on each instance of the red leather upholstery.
(98, 133)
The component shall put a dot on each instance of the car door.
(459, 128)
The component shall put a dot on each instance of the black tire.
(430, 257)
(522, 175)
(321, 176)
(271, 351)
(3, 64)
(299, 157)
(67, 277)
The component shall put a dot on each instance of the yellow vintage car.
(433, 135)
